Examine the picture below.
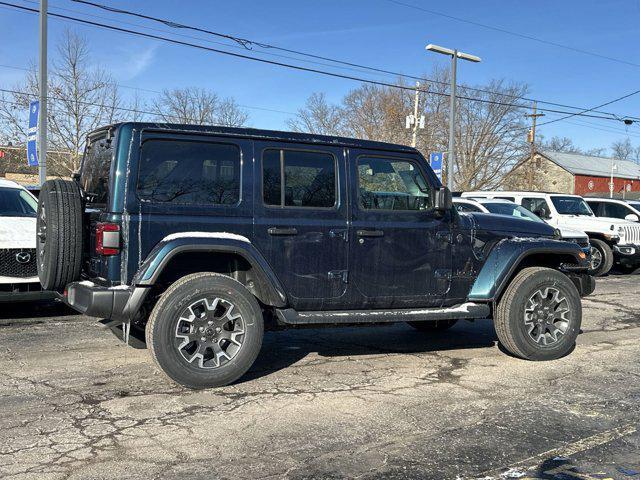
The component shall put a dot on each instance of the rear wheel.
(601, 258)
(59, 233)
(434, 326)
(539, 314)
(205, 331)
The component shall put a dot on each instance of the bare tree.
(81, 99)
(199, 107)
(624, 150)
(319, 117)
(490, 139)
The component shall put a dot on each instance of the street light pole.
(451, 155)
(42, 80)
(454, 54)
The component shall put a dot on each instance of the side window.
(298, 178)
(389, 184)
(511, 199)
(463, 207)
(189, 172)
(536, 204)
(595, 206)
(615, 210)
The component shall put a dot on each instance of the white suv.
(18, 268)
(611, 239)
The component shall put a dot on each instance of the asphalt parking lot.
(370, 402)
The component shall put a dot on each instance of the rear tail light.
(107, 239)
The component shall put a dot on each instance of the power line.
(286, 65)
(248, 45)
(515, 34)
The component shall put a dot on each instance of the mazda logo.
(23, 257)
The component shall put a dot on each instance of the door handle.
(282, 231)
(370, 233)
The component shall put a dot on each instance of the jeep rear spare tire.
(59, 234)
(539, 314)
(205, 331)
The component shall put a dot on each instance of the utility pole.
(532, 140)
(415, 116)
(414, 121)
(42, 80)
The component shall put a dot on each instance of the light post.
(613, 168)
(454, 54)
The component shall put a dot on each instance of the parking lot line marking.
(578, 446)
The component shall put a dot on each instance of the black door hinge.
(443, 274)
(444, 236)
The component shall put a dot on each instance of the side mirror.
(443, 201)
(632, 217)
(75, 176)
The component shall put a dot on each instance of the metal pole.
(611, 183)
(451, 155)
(415, 116)
(42, 117)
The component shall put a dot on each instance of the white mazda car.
(18, 268)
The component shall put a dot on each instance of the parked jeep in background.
(612, 240)
(203, 236)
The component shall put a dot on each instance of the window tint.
(595, 206)
(297, 178)
(387, 184)
(15, 202)
(536, 204)
(94, 174)
(571, 206)
(465, 207)
(614, 210)
(189, 172)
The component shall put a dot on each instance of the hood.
(588, 223)
(567, 232)
(511, 225)
(17, 232)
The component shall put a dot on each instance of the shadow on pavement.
(34, 310)
(285, 348)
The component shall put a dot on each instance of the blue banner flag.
(32, 134)
(436, 163)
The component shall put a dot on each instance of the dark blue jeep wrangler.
(202, 236)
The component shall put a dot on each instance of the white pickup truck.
(612, 239)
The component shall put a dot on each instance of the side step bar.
(466, 310)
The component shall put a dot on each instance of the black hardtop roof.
(259, 134)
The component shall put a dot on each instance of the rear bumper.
(119, 304)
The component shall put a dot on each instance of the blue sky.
(373, 32)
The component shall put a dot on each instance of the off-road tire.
(607, 257)
(161, 327)
(59, 234)
(434, 326)
(509, 318)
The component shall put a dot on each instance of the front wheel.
(205, 331)
(601, 258)
(539, 314)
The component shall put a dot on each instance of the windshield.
(635, 205)
(15, 202)
(571, 206)
(511, 210)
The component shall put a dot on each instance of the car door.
(538, 206)
(401, 253)
(300, 220)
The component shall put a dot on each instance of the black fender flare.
(269, 288)
(508, 254)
